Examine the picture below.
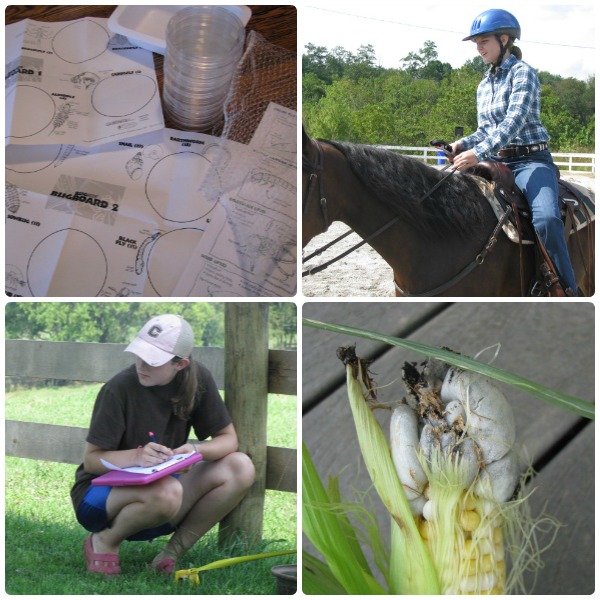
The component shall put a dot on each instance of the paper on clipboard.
(149, 470)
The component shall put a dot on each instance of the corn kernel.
(485, 565)
(469, 520)
(424, 529)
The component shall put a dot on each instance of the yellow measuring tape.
(192, 575)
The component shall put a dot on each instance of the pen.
(153, 438)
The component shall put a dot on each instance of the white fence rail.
(572, 162)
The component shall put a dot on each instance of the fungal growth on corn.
(452, 445)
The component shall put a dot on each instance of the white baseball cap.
(161, 339)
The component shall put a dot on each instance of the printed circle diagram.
(183, 187)
(80, 41)
(79, 258)
(37, 104)
(123, 95)
(169, 257)
(21, 159)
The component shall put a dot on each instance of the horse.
(437, 230)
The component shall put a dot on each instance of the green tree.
(106, 322)
(119, 322)
(313, 88)
(355, 100)
(363, 65)
(424, 64)
(332, 116)
(316, 61)
(475, 65)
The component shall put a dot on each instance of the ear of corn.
(467, 431)
(451, 533)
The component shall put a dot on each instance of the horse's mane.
(400, 182)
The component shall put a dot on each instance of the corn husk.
(412, 571)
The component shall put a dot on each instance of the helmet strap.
(503, 48)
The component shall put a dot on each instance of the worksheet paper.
(166, 213)
(148, 470)
(74, 82)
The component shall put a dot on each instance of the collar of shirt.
(506, 66)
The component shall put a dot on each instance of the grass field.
(44, 541)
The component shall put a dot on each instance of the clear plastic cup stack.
(204, 47)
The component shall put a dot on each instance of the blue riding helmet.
(496, 21)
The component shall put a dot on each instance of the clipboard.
(121, 477)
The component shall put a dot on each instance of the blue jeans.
(535, 176)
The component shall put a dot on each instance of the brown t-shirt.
(125, 412)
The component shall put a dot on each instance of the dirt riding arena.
(363, 272)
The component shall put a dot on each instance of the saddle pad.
(588, 197)
(580, 215)
(509, 227)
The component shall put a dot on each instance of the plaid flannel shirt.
(508, 110)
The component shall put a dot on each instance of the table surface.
(549, 343)
(277, 24)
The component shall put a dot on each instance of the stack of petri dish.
(204, 47)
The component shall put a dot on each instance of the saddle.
(577, 211)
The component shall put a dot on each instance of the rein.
(489, 246)
(313, 170)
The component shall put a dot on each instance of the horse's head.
(314, 220)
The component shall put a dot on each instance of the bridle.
(314, 171)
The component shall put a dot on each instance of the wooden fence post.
(246, 395)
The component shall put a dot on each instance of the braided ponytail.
(517, 52)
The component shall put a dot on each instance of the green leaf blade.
(549, 395)
(320, 524)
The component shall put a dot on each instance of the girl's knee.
(242, 468)
(166, 496)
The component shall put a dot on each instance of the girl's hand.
(153, 454)
(456, 149)
(185, 449)
(465, 160)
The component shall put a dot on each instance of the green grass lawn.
(44, 541)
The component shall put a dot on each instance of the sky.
(560, 39)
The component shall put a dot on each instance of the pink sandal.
(100, 563)
(165, 566)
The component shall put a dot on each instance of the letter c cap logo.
(154, 331)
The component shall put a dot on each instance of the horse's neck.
(420, 262)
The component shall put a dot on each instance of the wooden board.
(319, 346)
(569, 563)
(550, 343)
(58, 443)
(82, 361)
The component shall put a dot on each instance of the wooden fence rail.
(566, 161)
(94, 362)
